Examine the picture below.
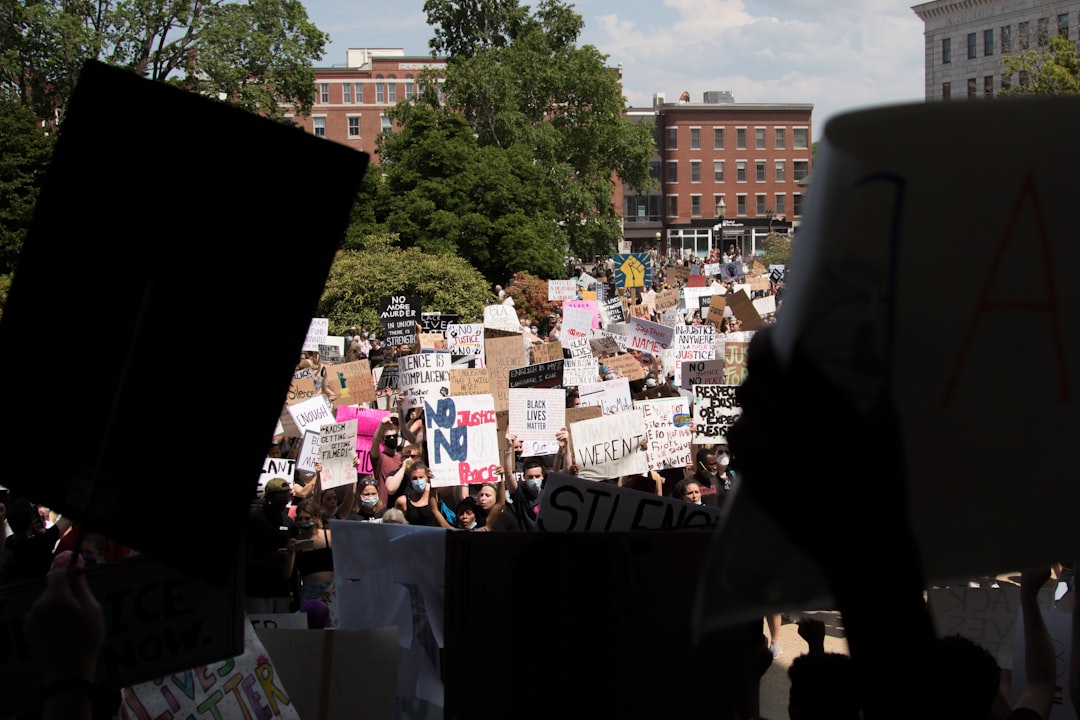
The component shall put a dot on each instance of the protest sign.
(648, 336)
(587, 305)
(469, 381)
(546, 352)
(669, 429)
(625, 364)
(576, 325)
(310, 413)
(735, 369)
(399, 315)
(985, 615)
(388, 377)
(434, 322)
(352, 382)
(300, 389)
(540, 375)
(422, 376)
(466, 339)
(1059, 627)
(367, 422)
(666, 300)
(604, 345)
(702, 372)
(577, 371)
(692, 342)
(462, 440)
(743, 310)
(609, 446)
(559, 290)
(633, 269)
(337, 450)
(693, 296)
(612, 396)
(765, 305)
(579, 347)
(715, 411)
(715, 315)
(275, 468)
(332, 348)
(431, 341)
(611, 311)
(577, 414)
(535, 415)
(318, 329)
(572, 504)
(501, 354)
(309, 451)
(501, 317)
(278, 621)
(619, 337)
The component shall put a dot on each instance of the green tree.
(523, 85)
(530, 295)
(358, 278)
(1051, 71)
(25, 152)
(253, 53)
(777, 249)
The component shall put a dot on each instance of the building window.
(971, 45)
(391, 93)
(718, 138)
(759, 204)
(718, 171)
(759, 170)
(359, 92)
(1006, 82)
(346, 93)
(385, 124)
(695, 171)
(946, 50)
(673, 206)
(801, 138)
(354, 126)
(971, 88)
(695, 206)
(740, 171)
(380, 93)
(1042, 34)
(1023, 32)
(779, 203)
(946, 91)
(716, 199)
(988, 86)
(780, 171)
(779, 141)
(672, 138)
(740, 138)
(324, 93)
(988, 42)
(410, 90)
(1063, 25)
(319, 127)
(695, 138)
(800, 169)
(796, 204)
(759, 138)
(1006, 39)
(673, 171)
(740, 205)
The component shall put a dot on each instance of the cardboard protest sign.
(559, 290)
(296, 418)
(604, 345)
(466, 339)
(540, 375)
(240, 687)
(352, 382)
(422, 376)
(609, 446)
(501, 354)
(625, 364)
(158, 620)
(633, 269)
(984, 614)
(387, 378)
(367, 423)
(576, 505)
(469, 381)
(669, 429)
(501, 317)
(612, 396)
(462, 440)
(717, 308)
(432, 341)
(318, 329)
(275, 468)
(666, 300)
(337, 449)
(399, 315)
(648, 336)
(300, 389)
(715, 411)
(735, 369)
(701, 372)
(535, 416)
(743, 309)
(577, 371)
(545, 352)
(619, 338)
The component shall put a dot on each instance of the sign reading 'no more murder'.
(399, 315)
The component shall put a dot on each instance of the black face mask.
(390, 443)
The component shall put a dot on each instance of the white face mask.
(723, 459)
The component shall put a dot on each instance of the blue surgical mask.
(535, 484)
(369, 500)
(418, 485)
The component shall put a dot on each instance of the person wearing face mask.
(315, 561)
(369, 508)
(386, 460)
(712, 474)
(525, 497)
(416, 502)
(271, 584)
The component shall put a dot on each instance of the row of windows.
(318, 127)
(1005, 38)
(761, 206)
(800, 169)
(360, 92)
(800, 138)
(987, 85)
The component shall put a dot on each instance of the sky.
(838, 55)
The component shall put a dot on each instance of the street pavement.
(774, 684)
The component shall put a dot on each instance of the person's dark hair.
(534, 462)
(822, 688)
(971, 677)
(20, 515)
(703, 453)
(570, 395)
(679, 491)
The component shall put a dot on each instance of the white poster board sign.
(465, 339)
(310, 413)
(715, 411)
(612, 396)
(576, 325)
(580, 370)
(535, 415)
(501, 317)
(609, 446)
(422, 376)
(462, 439)
(337, 450)
(669, 429)
(649, 337)
(559, 290)
(316, 334)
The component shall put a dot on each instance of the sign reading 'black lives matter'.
(399, 315)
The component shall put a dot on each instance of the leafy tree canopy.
(251, 53)
(358, 278)
(777, 249)
(25, 152)
(524, 86)
(1052, 71)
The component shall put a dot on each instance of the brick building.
(728, 173)
(966, 41)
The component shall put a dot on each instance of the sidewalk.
(774, 684)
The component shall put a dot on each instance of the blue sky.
(839, 55)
